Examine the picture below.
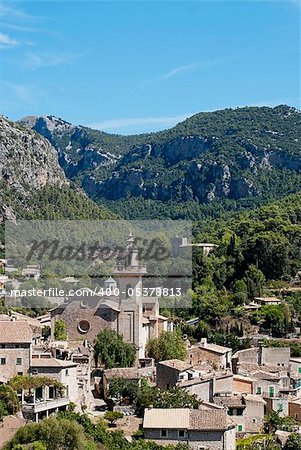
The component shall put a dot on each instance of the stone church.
(135, 317)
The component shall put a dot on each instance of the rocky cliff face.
(28, 162)
(27, 159)
(32, 183)
(80, 149)
(229, 154)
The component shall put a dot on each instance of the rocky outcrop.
(27, 160)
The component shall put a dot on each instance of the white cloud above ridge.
(187, 68)
(139, 121)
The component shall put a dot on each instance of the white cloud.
(6, 41)
(34, 60)
(192, 67)
(139, 121)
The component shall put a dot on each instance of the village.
(226, 395)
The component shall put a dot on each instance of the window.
(258, 390)
(299, 370)
(239, 428)
(51, 392)
(19, 361)
(3, 361)
(83, 326)
(271, 391)
(181, 434)
(254, 420)
(239, 412)
(280, 407)
(20, 373)
(67, 372)
(163, 433)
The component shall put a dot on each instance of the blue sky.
(130, 67)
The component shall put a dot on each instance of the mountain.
(230, 157)
(33, 185)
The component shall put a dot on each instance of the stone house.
(269, 384)
(194, 380)
(243, 384)
(63, 371)
(267, 300)
(278, 404)
(295, 368)
(208, 385)
(246, 411)
(202, 429)
(272, 358)
(170, 372)
(294, 408)
(217, 356)
(16, 341)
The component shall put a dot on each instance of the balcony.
(40, 406)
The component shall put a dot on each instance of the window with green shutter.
(280, 407)
(239, 428)
(271, 391)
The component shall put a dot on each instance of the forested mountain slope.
(226, 157)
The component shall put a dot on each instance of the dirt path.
(8, 428)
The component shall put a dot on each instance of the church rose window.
(83, 326)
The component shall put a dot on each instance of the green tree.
(46, 331)
(293, 442)
(112, 417)
(123, 388)
(169, 345)
(110, 350)
(52, 433)
(172, 398)
(255, 281)
(9, 402)
(60, 330)
(272, 422)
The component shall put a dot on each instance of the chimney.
(203, 342)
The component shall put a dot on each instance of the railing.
(45, 405)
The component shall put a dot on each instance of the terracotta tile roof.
(176, 364)
(171, 418)
(51, 362)
(208, 419)
(231, 401)
(183, 418)
(14, 332)
(129, 373)
(263, 375)
(221, 350)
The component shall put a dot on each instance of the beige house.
(243, 384)
(246, 411)
(217, 356)
(267, 301)
(208, 428)
(16, 341)
(272, 358)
